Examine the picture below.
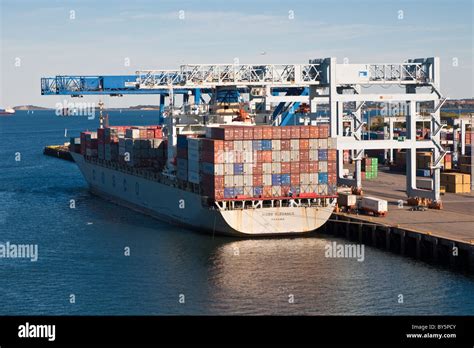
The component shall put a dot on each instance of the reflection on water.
(217, 275)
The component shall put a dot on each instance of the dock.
(58, 151)
(443, 236)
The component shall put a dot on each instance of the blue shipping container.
(182, 142)
(323, 154)
(207, 168)
(276, 179)
(285, 179)
(257, 145)
(238, 168)
(323, 178)
(229, 192)
(266, 145)
(258, 191)
(423, 172)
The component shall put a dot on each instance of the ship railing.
(278, 202)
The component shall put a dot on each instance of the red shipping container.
(305, 132)
(257, 168)
(267, 132)
(304, 167)
(285, 145)
(332, 154)
(267, 191)
(304, 155)
(248, 133)
(285, 191)
(238, 133)
(331, 167)
(257, 133)
(228, 145)
(257, 180)
(158, 133)
(267, 156)
(150, 133)
(304, 144)
(258, 156)
(286, 132)
(313, 166)
(332, 178)
(295, 179)
(314, 132)
(276, 132)
(324, 131)
(295, 167)
(285, 168)
(295, 132)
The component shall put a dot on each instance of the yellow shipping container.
(466, 188)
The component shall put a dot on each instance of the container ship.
(229, 176)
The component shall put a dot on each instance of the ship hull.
(185, 208)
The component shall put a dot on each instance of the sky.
(44, 38)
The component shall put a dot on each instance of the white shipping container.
(247, 145)
(276, 167)
(238, 145)
(276, 156)
(238, 180)
(313, 144)
(346, 200)
(276, 144)
(247, 156)
(425, 184)
(248, 180)
(313, 178)
(228, 181)
(304, 179)
(373, 204)
(313, 154)
(266, 168)
(276, 191)
(295, 156)
(248, 168)
(285, 156)
(323, 189)
(322, 143)
(193, 177)
(322, 166)
(331, 143)
(294, 144)
(229, 169)
(229, 157)
(248, 191)
(267, 180)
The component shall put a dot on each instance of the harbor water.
(97, 258)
